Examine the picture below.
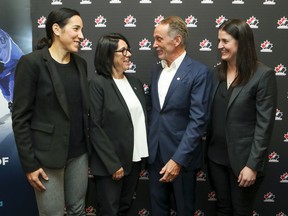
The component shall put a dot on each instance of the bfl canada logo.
(269, 2)
(4, 161)
(85, 2)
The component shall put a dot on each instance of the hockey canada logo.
(212, 196)
(284, 178)
(273, 157)
(132, 68)
(115, 2)
(200, 176)
(221, 19)
(143, 212)
(207, 2)
(269, 2)
(158, 19)
(90, 211)
(199, 213)
(255, 213)
(191, 21)
(281, 214)
(130, 21)
(253, 22)
(269, 197)
(145, 44)
(175, 2)
(42, 22)
(86, 44)
(205, 45)
(266, 46)
(144, 175)
(85, 2)
(283, 23)
(280, 70)
(100, 21)
(278, 115)
(238, 2)
(286, 137)
(56, 2)
(145, 2)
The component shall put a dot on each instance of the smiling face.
(71, 34)
(228, 47)
(164, 44)
(121, 62)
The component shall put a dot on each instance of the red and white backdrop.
(136, 19)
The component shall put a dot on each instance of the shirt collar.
(176, 63)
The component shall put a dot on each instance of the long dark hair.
(59, 16)
(246, 59)
(104, 54)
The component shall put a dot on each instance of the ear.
(177, 40)
(56, 29)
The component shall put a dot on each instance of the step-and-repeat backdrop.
(136, 19)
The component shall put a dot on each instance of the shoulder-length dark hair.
(104, 53)
(246, 59)
(59, 16)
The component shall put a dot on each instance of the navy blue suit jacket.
(177, 129)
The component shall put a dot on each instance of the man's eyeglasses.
(124, 51)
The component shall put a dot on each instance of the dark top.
(217, 151)
(71, 82)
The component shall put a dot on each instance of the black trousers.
(232, 200)
(114, 198)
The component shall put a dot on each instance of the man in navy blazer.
(180, 92)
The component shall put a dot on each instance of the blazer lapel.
(119, 95)
(56, 80)
(83, 83)
(234, 95)
(179, 75)
(154, 87)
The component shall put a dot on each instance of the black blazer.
(40, 112)
(111, 128)
(250, 117)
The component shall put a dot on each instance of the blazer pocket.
(42, 134)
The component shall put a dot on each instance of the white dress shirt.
(140, 149)
(166, 77)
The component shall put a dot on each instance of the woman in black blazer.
(243, 112)
(50, 116)
(118, 126)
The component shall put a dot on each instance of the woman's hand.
(247, 177)
(118, 174)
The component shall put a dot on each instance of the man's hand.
(247, 177)
(170, 171)
(34, 180)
